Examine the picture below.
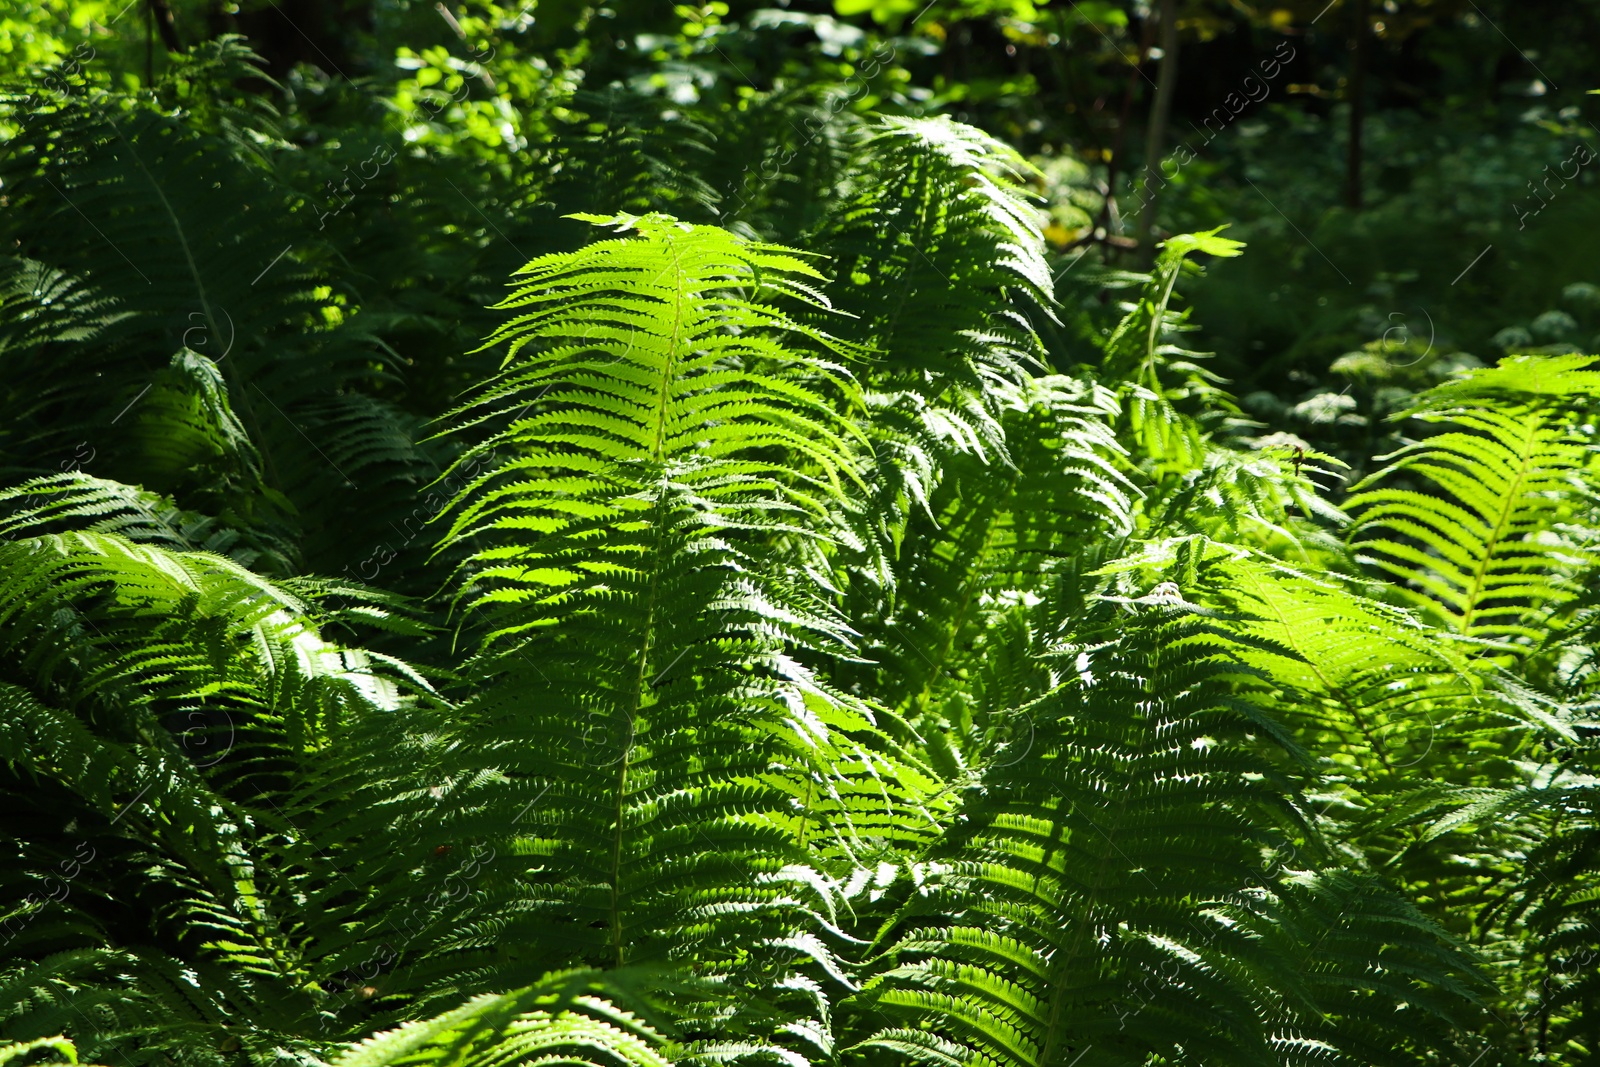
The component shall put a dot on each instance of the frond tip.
(561, 1019)
(638, 363)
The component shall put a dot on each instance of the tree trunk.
(1119, 140)
(161, 14)
(1358, 101)
(1156, 133)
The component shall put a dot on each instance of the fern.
(775, 657)
(632, 153)
(940, 258)
(1476, 544)
(674, 446)
(152, 697)
(141, 249)
(1142, 357)
(66, 1050)
(560, 1019)
(1096, 902)
(996, 533)
(1367, 685)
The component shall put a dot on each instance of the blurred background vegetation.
(1414, 178)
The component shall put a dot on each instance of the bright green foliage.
(60, 1046)
(650, 391)
(562, 1019)
(675, 452)
(1142, 351)
(1491, 556)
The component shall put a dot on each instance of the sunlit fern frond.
(156, 701)
(1172, 403)
(76, 501)
(667, 440)
(1468, 520)
(564, 1018)
(1363, 683)
(1390, 710)
(62, 1051)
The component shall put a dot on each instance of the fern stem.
(1157, 314)
(805, 815)
(663, 398)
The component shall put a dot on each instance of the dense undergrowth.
(598, 581)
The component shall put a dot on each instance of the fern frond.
(1105, 894)
(153, 701)
(1474, 538)
(153, 231)
(1162, 384)
(940, 257)
(993, 535)
(1366, 684)
(46, 309)
(1086, 865)
(563, 1019)
(671, 441)
(634, 153)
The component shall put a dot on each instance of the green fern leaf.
(1475, 543)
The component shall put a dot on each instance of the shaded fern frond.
(154, 702)
(156, 230)
(1090, 864)
(633, 153)
(940, 254)
(1108, 893)
(44, 309)
(993, 535)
